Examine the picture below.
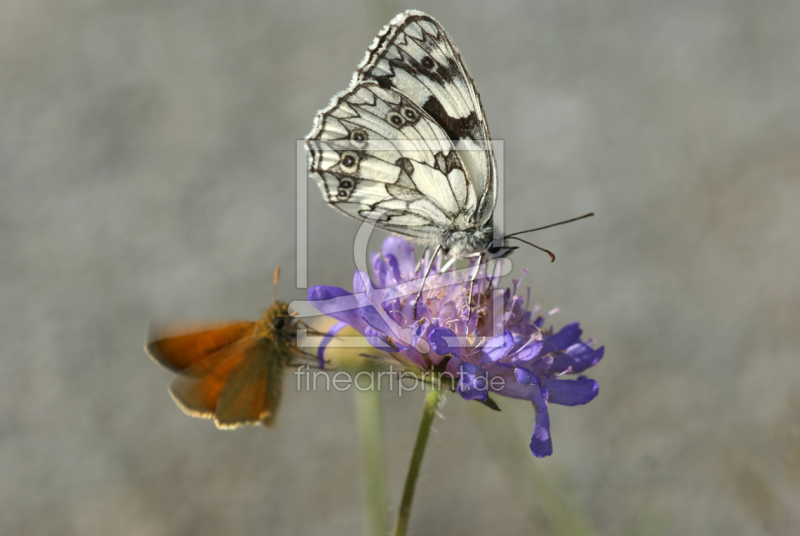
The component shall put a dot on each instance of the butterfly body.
(232, 372)
(466, 240)
(408, 141)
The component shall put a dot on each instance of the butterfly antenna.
(552, 257)
(275, 284)
(587, 215)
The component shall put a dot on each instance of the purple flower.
(496, 346)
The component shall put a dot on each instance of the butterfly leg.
(307, 360)
(309, 329)
(424, 278)
(472, 282)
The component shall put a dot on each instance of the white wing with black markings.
(409, 140)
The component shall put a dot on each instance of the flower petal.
(419, 329)
(403, 252)
(369, 312)
(524, 376)
(443, 342)
(577, 358)
(361, 283)
(527, 353)
(541, 444)
(378, 339)
(326, 339)
(498, 346)
(408, 308)
(414, 348)
(393, 269)
(380, 270)
(337, 303)
(503, 381)
(572, 392)
(566, 337)
(390, 303)
(474, 383)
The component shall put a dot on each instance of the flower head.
(488, 341)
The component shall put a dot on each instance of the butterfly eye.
(428, 63)
(349, 162)
(395, 118)
(409, 113)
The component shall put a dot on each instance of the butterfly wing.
(374, 149)
(414, 55)
(180, 348)
(240, 384)
(440, 196)
(197, 389)
(253, 390)
(226, 372)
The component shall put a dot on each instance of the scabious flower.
(489, 343)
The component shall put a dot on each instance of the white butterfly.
(408, 140)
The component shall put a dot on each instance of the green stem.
(368, 410)
(431, 403)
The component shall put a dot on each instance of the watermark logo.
(391, 379)
(409, 148)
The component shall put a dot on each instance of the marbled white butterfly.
(407, 144)
(408, 139)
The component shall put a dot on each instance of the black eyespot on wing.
(395, 119)
(359, 138)
(348, 162)
(428, 63)
(345, 189)
(410, 114)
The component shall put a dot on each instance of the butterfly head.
(499, 252)
(475, 242)
(276, 322)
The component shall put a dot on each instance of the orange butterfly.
(232, 371)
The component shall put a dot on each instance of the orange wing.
(232, 372)
(252, 391)
(239, 383)
(178, 350)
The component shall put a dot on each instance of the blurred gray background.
(147, 173)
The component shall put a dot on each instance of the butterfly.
(408, 144)
(232, 372)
